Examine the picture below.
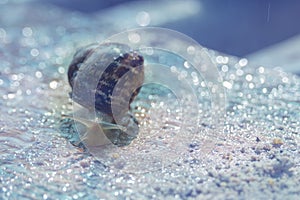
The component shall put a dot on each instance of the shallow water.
(254, 153)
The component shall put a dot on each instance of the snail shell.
(107, 77)
(100, 68)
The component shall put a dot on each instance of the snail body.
(106, 78)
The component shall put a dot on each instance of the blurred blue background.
(231, 26)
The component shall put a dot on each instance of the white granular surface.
(254, 154)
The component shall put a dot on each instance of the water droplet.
(143, 18)
(11, 95)
(146, 50)
(53, 85)
(27, 31)
(14, 77)
(224, 68)
(28, 92)
(243, 62)
(261, 70)
(251, 85)
(61, 70)
(227, 84)
(219, 59)
(38, 74)
(186, 64)
(285, 79)
(264, 90)
(173, 69)
(34, 52)
(239, 72)
(249, 77)
(191, 50)
(134, 37)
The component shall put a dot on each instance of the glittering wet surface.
(255, 153)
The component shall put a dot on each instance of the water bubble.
(170, 68)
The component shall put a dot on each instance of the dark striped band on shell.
(96, 70)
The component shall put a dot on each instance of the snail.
(105, 79)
